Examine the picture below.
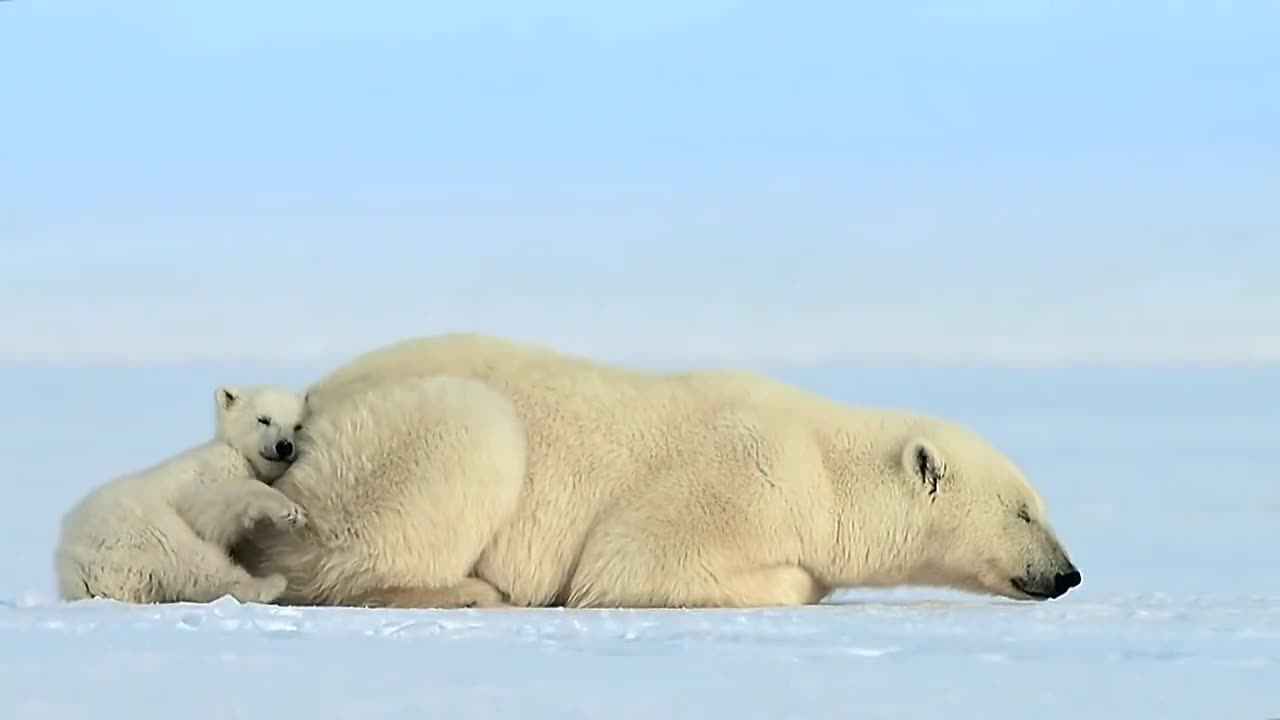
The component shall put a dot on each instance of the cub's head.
(985, 526)
(260, 423)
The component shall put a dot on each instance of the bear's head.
(261, 423)
(985, 528)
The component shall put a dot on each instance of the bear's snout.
(284, 449)
(1064, 581)
(1048, 586)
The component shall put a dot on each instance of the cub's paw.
(290, 517)
(262, 590)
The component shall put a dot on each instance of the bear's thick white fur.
(639, 490)
(163, 534)
(403, 486)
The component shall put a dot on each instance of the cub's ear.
(226, 396)
(923, 462)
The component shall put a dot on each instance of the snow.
(1162, 484)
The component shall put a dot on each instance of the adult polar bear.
(703, 489)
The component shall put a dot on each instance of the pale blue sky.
(1013, 182)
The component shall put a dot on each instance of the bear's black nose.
(284, 451)
(1065, 581)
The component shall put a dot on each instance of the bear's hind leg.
(127, 577)
(427, 487)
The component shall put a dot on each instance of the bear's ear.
(923, 462)
(226, 396)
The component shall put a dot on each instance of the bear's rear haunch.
(463, 470)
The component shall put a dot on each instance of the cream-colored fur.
(163, 534)
(694, 489)
(403, 487)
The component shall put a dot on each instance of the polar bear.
(696, 489)
(163, 534)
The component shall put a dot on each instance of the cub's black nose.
(284, 450)
(1065, 581)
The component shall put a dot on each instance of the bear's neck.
(878, 526)
(875, 545)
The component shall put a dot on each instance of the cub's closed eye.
(264, 420)
(1023, 515)
(297, 428)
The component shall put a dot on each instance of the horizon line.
(671, 351)
(677, 363)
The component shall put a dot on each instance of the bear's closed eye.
(1023, 515)
(264, 420)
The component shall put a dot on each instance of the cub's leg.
(161, 562)
(223, 512)
(202, 572)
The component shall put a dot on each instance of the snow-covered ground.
(1163, 485)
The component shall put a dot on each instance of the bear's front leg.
(224, 512)
(264, 503)
(471, 592)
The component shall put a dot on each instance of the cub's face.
(261, 423)
(986, 529)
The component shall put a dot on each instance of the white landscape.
(966, 183)
(1162, 483)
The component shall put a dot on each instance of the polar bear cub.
(163, 534)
